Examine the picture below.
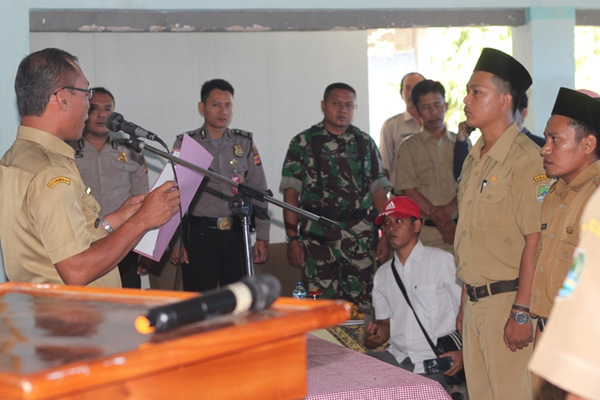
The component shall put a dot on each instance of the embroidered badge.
(574, 274)
(541, 192)
(238, 151)
(122, 158)
(592, 226)
(542, 177)
(57, 180)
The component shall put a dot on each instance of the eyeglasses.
(89, 92)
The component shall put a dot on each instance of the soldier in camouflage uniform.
(334, 170)
(213, 242)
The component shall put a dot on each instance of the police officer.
(213, 245)
(113, 171)
(571, 155)
(334, 170)
(499, 197)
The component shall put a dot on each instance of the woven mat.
(352, 337)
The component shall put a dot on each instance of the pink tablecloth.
(338, 373)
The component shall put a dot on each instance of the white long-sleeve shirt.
(429, 277)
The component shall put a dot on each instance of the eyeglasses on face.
(89, 92)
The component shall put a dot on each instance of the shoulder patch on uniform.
(541, 191)
(57, 180)
(242, 133)
(541, 178)
(579, 259)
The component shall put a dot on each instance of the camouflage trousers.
(344, 268)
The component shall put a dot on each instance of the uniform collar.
(500, 149)
(590, 173)
(425, 136)
(46, 140)
(407, 116)
(204, 135)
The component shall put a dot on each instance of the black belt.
(351, 215)
(477, 292)
(428, 222)
(220, 223)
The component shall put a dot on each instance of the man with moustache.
(50, 228)
(398, 128)
(499, 196)
(333, 169)
(213, 243)
(113, 171)
(424, 167)
(429, 277)
(570, 154)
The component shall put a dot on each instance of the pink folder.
(155, 242)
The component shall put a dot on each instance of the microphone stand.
(241, 203)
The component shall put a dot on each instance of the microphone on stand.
(254, 293)
(115, 122)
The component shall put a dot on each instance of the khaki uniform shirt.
(561, 214)
(567, 354)
(394, 131)
(46, 215)
(499, 200)
(425, 163)
(235, 157)
(114, 174)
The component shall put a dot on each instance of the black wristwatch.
(520, 317)
(291, 238)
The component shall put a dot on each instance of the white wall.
(279, 79)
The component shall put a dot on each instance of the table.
(335, 372)
(68, 343)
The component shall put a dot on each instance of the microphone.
(115, 122)
(251, 293)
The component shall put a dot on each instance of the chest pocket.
(125, 167)
(424, 173)
(492, 206)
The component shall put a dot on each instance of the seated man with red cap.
(428, 276)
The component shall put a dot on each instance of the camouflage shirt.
(350, 169)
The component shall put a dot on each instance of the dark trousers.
(216, 258)
(128, 271)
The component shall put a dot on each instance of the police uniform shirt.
(561, 214)
(394, 131)
(114, 173)
(235, 156)
(499, 198)
(425, 163)
(47, 214)
(567, 354)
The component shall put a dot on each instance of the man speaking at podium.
(49, 225)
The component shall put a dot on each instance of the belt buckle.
(224, 223)
(472, 293)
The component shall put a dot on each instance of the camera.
(437, 365)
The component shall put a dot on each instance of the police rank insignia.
(257, 160)
(57, 180)
(238, 151)
(122, 158)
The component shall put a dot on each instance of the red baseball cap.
(399, 207)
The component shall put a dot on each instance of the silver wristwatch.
(520, 317)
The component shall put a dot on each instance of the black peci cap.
(504, 66)
(578, 106)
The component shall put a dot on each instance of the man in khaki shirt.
(503, 184)
(570, 154)
(398, 128)
(49, 225)
(424, 167)
(567, 354)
